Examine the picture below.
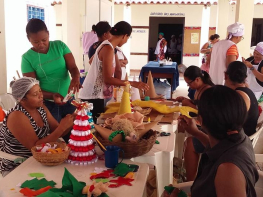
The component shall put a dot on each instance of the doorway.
(169, 26)
(257, 31)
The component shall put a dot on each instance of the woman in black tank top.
(235, 77)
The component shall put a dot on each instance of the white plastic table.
(81, 173)
(161, 156)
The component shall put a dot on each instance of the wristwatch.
(252, 68)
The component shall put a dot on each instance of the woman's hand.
(186, 102)
(179, 99)
(58, 98)
(66, 122)
(189, 125)
(247, 63)
(140, 85)
(74, 85)
(122, 63)
(174, 193)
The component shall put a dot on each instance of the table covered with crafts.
(10, 185)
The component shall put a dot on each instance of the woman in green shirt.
(50, 62)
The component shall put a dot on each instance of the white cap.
(259, 48)
(236, 29)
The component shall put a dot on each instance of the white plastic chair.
(255, 136)
(7, 101)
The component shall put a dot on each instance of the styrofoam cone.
(125, 106)
(126, 77)
(135, 94)
(151, 92)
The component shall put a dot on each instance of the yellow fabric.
(125, 106)
(163, 109)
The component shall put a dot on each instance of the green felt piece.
(170, 189)
(49, 194)
(102, 180)
(122, 169)
(37, 175)
(157, 142)
(37, 184)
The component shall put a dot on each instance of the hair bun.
(94, 27)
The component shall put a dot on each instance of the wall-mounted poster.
(194, 38)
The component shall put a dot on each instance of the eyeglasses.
(189, 83)
(242, 38)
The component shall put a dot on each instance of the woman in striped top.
(28, 123)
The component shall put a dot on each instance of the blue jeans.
(60, 111)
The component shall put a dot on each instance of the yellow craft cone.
(151, 92)
(125, 106)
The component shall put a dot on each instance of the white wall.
(15, 35)
(3, 73)
(258, 11)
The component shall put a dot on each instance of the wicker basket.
(50, 159)
(143, 146)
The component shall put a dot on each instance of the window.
(35, 12)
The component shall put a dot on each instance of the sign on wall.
(166, 14)
(194, 38)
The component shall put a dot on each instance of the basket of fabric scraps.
(128, 132)
(51, 154)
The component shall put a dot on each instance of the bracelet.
(113, 135)
(252, 68)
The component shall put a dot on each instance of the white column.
(127, 47)
(204, 29)
(244, 15)
(3, 73)
(222, 18)
(71, 26)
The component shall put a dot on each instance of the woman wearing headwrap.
(28, 123)
(224, 52)
(161, 47)
(255, 70)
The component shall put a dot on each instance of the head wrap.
(236, 29)
(259, 48)
(21, 86)
(161, 33)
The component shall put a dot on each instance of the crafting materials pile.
(51, 154)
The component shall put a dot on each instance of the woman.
(98, 84)
(172, 50)
(123, 62)
(199, 81)
(255, 72)
(235, 77)
(161, 47)
(102, 30)
(28, 123)
(50, 62)
(227, 168)
(206, 50)
(224, 52)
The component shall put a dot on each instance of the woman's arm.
(205, 49)
(74, 72)
(19, 125)
(245, 97)
(229, 59)
(47, 95)
(230, 181)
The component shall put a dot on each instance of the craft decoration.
(125, 106)
(151, 92)
(70, 187)
(123, 169)
(120, 181)
(81, 140)
(163, 109)
(104, 174)
(170, 189)
(29, 192)
(95, 189)
(36, 174)
(37, 184)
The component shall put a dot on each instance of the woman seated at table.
(227, 167)
(255, 72)
(199, 81)
(28, 123)
(235, 77)
(98, 84)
